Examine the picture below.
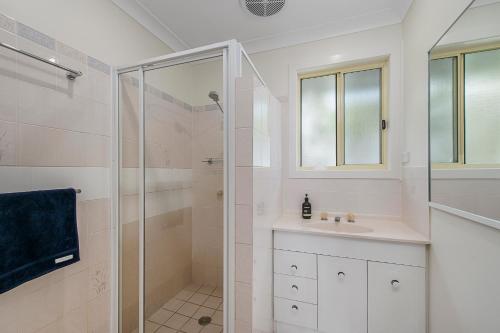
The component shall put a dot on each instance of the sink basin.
(338, 227)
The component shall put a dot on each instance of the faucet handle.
(350, 217)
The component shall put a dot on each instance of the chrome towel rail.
(71, 73)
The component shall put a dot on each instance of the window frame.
(459, 53)
(340, 72)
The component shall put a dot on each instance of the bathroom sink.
(338, 227)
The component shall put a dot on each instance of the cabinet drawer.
(296, 288)
(295, 264)
(286, 328)
(295, 313)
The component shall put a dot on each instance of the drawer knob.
(295, 308)
(294, 268)
(295, 288)
(395, 283)
(341, 275)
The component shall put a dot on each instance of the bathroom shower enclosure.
(174, 188)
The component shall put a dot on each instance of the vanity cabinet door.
(396, 298)
(342, 300)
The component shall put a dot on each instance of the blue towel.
(38, 234)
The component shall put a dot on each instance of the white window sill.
(345, 174)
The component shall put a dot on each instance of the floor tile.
(176, 321)
(217, 318)
(173, 305)
(191, 326)
(206, 289)
(221, 306)
(198, 298)
(188, 309)
(193, 287)
(212, 302)
(217, 292)
(160, 316)
(202, 311)
(211, 328)
(184, 295)
(165, 329)
(150, 327)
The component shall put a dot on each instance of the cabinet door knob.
(295, 308)
(295, 288)
(395, 283)
(341, 275)
(294, 268)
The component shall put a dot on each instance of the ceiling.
(184, 24)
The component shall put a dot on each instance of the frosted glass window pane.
(362, 102)
(318, 124)
(482, 107)
(443, 110)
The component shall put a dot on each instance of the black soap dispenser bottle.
(306, 209)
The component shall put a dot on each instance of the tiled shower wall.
(208, 203)
(258, 202)
(56, 133)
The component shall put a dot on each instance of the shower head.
(214, 96)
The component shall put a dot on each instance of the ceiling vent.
(263, 8)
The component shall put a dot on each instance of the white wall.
(369, 196)
(464, 289)
(464, 275)
(96, 27)
(425, 22)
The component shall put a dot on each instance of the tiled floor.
(181, 313)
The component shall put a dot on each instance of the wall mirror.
(464, 113)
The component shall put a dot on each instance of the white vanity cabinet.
(336, 285)
(396, 298)
(342, 298)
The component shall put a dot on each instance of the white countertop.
(381, 229)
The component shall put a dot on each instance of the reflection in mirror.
(464, 113)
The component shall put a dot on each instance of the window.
(342, 118)
(464, 108)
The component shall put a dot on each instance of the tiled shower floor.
(181, 313)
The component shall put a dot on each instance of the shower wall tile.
(98, 65)
(244, 181)
(55, 133)
(8, 89)
(100, 86)
(68, 51)
(35, 36)
(244, 108)
(244, 258)
(8, 132)
(34, 71)
(243, 306)
(7, 23)
(244, 224)
(244, 142)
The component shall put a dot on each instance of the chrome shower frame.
(232, 54)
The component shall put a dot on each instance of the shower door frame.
(232, 54)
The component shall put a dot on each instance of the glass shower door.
(170, 194)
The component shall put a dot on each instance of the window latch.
(384, 124)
